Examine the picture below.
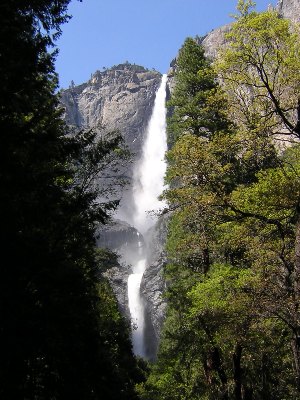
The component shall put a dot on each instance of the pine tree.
(197, 104)
(55, 339)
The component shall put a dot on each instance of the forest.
(232, 329)
(61, 334)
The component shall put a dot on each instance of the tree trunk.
(214, 363)
(206, 260)
(297, 126)
(296, 355)
(237, 372)
(248, 393)
(296, 338)
(218, 366)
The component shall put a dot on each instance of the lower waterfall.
(148, 184)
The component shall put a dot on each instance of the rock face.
(153, 283)
(117, 235)
(120, 98)
(123, 239)
(214, 41)
(118, 277)
(289, 9)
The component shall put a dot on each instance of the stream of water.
(148, 184)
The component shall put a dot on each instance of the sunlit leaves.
(260, 72)
(224, 291)
(275, 195)
(234, 195)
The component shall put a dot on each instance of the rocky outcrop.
(117, 235)
(118, 277)
(214, 41)
(153, 283)
(289, 9)
(126, 241)
(153, 287)
(120, 98)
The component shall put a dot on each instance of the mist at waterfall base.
(148, 184)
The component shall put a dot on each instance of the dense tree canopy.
(233, 275)
(61, 336)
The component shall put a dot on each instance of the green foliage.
(232, 329)
(210, 323)
(274, 196)
(224, 291)
(244, 6)
(196, 100)
(260, 72)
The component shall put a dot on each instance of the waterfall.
(148, 184)
(150, 171)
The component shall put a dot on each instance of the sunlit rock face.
(120, 98)
(215, 40)
(126, 98)
(289, 9)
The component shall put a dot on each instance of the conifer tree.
(61, 336)
(197, 104)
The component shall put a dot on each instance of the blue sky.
(103, 33)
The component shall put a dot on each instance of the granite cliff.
(215, 39)
(120, 98)
(153, 283)
(289, 9)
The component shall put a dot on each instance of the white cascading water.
(148, 185)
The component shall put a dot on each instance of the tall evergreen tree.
(197, 104)
(55, 339)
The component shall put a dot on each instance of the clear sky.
(103, 33)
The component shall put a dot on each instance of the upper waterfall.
(150, 170)
(148, 184)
